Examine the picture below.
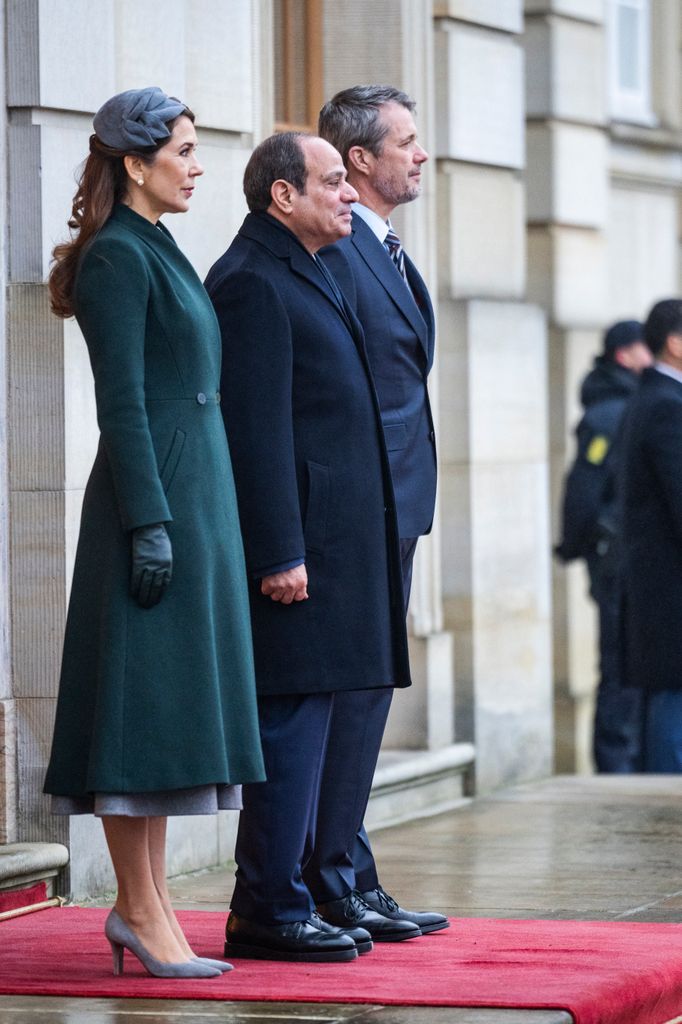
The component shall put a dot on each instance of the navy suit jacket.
(652, 531)
(399, 336)
(311, 469)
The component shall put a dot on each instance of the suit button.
(432, 435)
(201, 398)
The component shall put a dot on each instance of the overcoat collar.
(420, 317)
(141, 226)
(283, 243)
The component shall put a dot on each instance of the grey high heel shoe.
(121, 937)
(222, 965)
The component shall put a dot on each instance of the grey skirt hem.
(164, 803)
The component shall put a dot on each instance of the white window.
(629, 41)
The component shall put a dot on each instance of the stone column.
(421, 717)
(567, 266)
(494, 433)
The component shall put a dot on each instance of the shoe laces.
(355, 906)
(385, 900)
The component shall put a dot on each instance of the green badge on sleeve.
(598, 447)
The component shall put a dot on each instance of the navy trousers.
(342, 857)
(301, 840)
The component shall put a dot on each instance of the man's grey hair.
(353, 117)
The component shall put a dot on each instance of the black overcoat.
(311, 469)
(652, 521)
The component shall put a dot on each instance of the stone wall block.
(642, 249)
(505, 15)
(36, 390)
(482, 241)
(567, 176)
(8, 772)
(38, 596)
(76, 54)
(35, 718)
(25, 201)
(507, 383)
(150, 46)
(23, 69)
(567, 274)
(219, 60)
(565, 75)
(479, 96)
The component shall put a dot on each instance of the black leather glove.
(152, 564)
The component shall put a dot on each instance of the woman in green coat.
(156, 712)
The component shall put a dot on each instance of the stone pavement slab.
(596, 848)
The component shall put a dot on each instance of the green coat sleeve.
(110, 299)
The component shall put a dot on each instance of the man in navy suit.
(320, 537)
(373, 129)
(652, 532)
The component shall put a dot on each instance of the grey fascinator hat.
(136, 119)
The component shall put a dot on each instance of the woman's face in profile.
(169, 182)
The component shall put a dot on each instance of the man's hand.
(288, 586)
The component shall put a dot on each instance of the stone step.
(22, 865)
(411, 784)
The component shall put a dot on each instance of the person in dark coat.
(652, 532)
(156, 712)
(591, 529)
(373, 128)
(320, 536)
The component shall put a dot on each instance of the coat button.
(217, 398)
(432, 435)
(201, 398)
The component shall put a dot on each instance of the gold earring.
(140, 181)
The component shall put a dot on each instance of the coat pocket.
(395, 435)
(315, 527)
(172, 459)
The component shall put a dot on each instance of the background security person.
(591, 529)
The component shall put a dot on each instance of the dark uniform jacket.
(652, 530)
(153, 699)
(399, 331)
(311, 469)
(590, 512)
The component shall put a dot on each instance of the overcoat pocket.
(315, 527)
(172, 459)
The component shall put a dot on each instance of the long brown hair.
(102, 184)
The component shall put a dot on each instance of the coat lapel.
(375, 256)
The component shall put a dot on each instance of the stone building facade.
(551, 207)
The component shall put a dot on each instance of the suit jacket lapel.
(377, 260)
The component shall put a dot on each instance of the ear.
(674, 345)
(360, 160)
(134, 166)
(282, 196)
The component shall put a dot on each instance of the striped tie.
(395, 251)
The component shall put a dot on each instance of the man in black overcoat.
(652, 526)
(591, 529)
(373, 128)
(320, 536)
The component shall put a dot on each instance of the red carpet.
(603, 973)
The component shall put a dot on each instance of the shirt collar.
(374, 222)
(668, 370)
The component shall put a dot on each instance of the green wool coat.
(160, 698)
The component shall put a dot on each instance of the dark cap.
(136, 119)
(622, 334)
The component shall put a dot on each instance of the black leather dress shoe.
(298, 940)
(352, 911)
(384, 904)
(361, 938)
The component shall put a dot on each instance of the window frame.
(314, 85)
(630, 105)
